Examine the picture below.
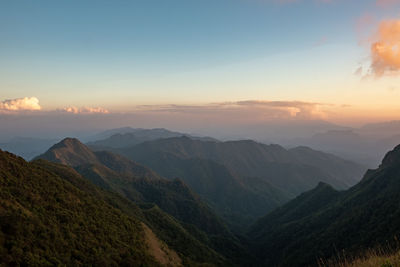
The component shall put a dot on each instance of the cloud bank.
(85, 110)
(247, 110)
(20, 104)
(385, 49)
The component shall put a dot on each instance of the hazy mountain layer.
(243, 180)
(366, 145)
(124, 137)
(27, 147)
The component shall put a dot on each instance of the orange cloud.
(20, 104)
(85, 110)
(385, 49)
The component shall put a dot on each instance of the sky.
(260, 60)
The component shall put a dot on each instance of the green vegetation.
(100, 208)
(323, 222)
(45, 220)
(50, 214)
(136, 183)
(206, 236)
(183, 238)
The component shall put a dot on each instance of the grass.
(384, 256)
(375, 259)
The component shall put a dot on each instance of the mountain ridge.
(257, 178)
(172, 196)
(364, 216)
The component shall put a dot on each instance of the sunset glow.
(337, 61)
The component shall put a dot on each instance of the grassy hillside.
(183, 238)
(50, 214)
(45, 220)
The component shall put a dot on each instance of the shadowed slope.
(323, 222)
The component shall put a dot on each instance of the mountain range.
(77, 206)
(242, 180)
(141, 185)
(127, 136)
(366, 145)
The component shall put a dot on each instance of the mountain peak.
(69, 141)
(69, 151)
(392, 157)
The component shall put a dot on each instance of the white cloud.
(85, 110)
(20, 104)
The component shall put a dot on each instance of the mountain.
(275, 131)
(51, 215)
(381, 129)
(134, 181)
(55, 214)
(46, 220)
(348, 144)
(141, 185)
(366, 145)
(184, 239)
(323, 223)
(123, 137)
(27, 147)
(243, 180)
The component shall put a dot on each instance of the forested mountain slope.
(324, 222)
(141, 185)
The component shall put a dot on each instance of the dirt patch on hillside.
(159, 250)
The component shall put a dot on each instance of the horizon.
(180, 63)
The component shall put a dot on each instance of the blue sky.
(119, 54)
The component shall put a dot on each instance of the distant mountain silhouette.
(123, 137)
(27, 147)
(324, 222)
(366, 145)
(388, 128)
